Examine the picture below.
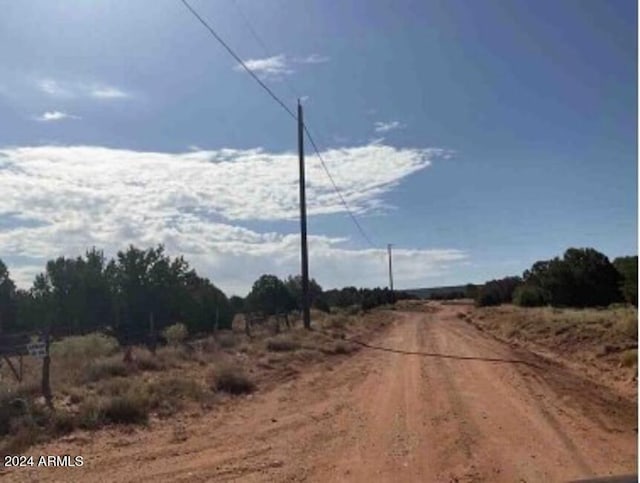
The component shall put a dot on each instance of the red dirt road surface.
(483, 413)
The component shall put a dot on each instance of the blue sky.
(478, 137)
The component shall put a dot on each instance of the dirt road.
(451, 405)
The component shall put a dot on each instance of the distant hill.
(425, 293)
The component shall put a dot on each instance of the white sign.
(37, 348)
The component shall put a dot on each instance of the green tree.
(530, 296)
(237, 303)
(81, 296)
(583, 277)
(294, 285)
(270, 296)
(204, 306)
(627, 267)
(496, 292)
(595, 279)
(8, 303)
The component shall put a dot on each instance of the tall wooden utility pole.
(306, 315)
(390, 268)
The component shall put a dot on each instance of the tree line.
(140, 290)
(582, 277)
(131, 293)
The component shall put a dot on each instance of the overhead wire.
(282, 104)
(265, 50)
(337, 190)
(237, 58)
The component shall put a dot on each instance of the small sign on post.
(37, 348)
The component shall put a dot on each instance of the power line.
(240, 61)
(266, 51)
(283, 105)
(337, 190)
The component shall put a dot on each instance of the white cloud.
(272, 67)
(53, 88)
(381, 127)
(61, 90)
(55, 116)
(106, 92)
(313, 59)
(277, 66)
(77, 197)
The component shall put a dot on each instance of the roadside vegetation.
(581, 307)
(583, 277)
(605, 339)
(95, 387)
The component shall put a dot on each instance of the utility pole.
(306, 315)
(390, 267)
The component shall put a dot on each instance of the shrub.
(105, 368)
(629, 358)
(529, 296)
(342, 347)
(487, 298)
(175, 334)
(128, 409)
(63, 422)
(628, 323)
(90, 415)
(146, 361)
(322, 305)
(26, 434)
(337, 322)
(12, 407)
(233, 380)
(131, 407)
(282, 344)
(496, 292)
(167, 393)
(226, 340)
(353, 310)
(116, 386)
(83, 347)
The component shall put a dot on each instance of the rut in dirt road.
(488, 414)
(475, 420)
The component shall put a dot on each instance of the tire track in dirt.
(386, 416)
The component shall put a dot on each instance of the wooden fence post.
(46, 370)
(152, 335)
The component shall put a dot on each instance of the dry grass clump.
(607, 334)
(84, 347)
(629, 358)
(144, 360)
(131, 407)
(343, 347)
(112, 366)
(336, 321)
(226, 340)
(282, 343)
(169, 394)
(232, 379)
(175, 334)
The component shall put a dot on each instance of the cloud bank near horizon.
(61, 200)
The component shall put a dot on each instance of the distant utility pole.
(306, 315)
(390, 267)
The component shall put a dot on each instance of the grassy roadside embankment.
(94, 388)
(603, 342)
